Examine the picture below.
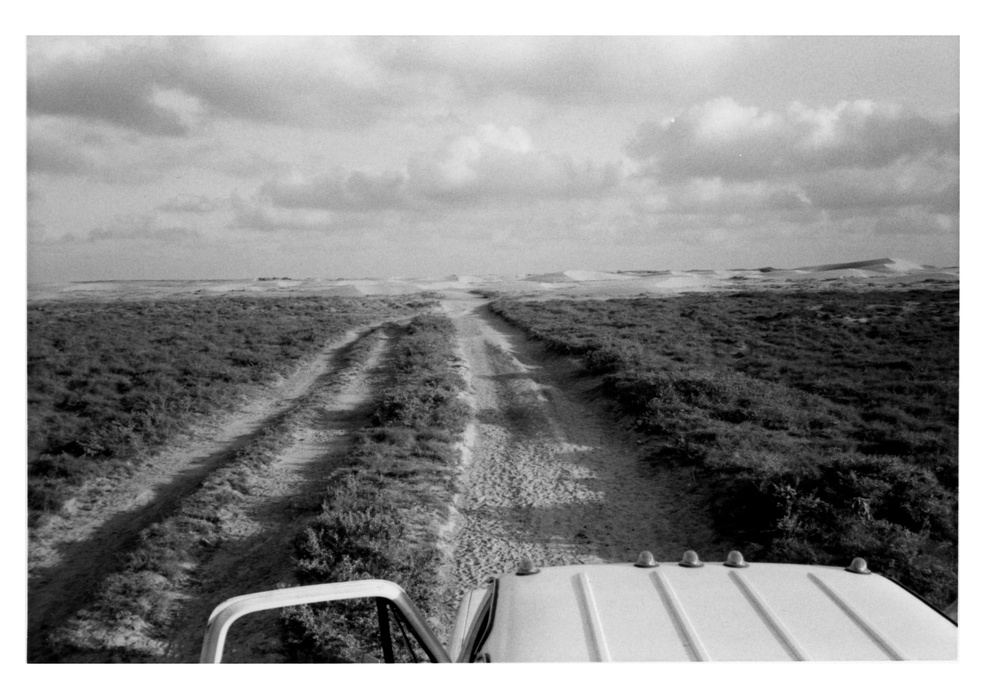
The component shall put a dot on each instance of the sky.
(203, 157)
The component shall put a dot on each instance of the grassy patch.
(825, 423)
(107, 382)
(131, 617)
(381, 513)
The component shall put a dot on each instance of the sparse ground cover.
(133, 609)
(109, 381)
(134, 615)
(383, 510)
(825, 423)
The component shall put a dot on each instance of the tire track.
(71, 553)
(548, 472)
(285, 497)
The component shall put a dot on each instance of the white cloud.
(498, 163)
(722, 138)
(490, 164)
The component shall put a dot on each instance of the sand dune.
(569, 283)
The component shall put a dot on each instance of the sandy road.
(548, 473)
(74, 551)
(284, 498)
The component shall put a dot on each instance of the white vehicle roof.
(766, 611)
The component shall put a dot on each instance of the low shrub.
(109, 381)
(380, 514)
(819, 438)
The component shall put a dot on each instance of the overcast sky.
(157, 158)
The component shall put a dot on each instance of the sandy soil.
(548, 473)
(286, 496)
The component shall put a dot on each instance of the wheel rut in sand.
(73, 552)
(549, 473)
(285, 496)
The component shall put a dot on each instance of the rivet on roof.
(860, 566)
(690, 560)
(735, 560)
(526, 567)
(646, 560)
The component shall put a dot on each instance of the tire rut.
(550, 474)
(71, 553)
(285, 496)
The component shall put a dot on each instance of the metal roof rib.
(770, 618)
(869, 629)
(692, 644)
(593, 619)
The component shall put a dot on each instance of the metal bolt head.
(690, 560)
(646, 560)
(735, 560)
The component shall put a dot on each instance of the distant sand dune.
(570, 283)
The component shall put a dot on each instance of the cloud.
(193, 204)
(338, 190)
(722, 138)
(259, 215)
(66, 148)
(564, 69)
(489, 165)
(173, 86)
(141, 228)
(118, 85)
(929, 182)
(177, 86)
(498, 163)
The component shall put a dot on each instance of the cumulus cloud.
(171, 86)
(722, 138)
(502, 163)
(731, 163)
(141, 228)
(491, 164)
(175, 86)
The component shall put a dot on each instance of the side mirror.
(390, 600)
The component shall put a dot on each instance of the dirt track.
(548, 473)
(72, 553)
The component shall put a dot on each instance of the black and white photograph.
(518, 348)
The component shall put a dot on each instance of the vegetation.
(382, 510)
(825, 423)
(133, 611)
(135, 606)
(107, 382)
